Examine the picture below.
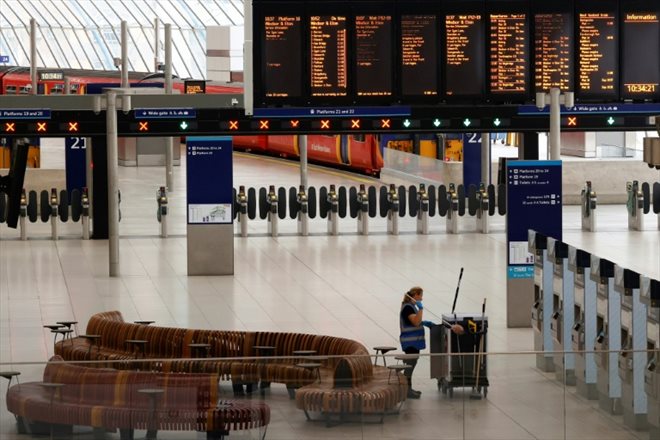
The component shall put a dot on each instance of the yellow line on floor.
(318, 168)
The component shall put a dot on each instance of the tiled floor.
(348, 286)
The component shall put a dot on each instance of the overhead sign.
(193, 87)
(4, 58)
(330, 112)
(28, 113)
(164, 113)
(593, 109)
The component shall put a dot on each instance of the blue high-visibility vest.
(411, 336)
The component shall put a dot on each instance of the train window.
(10, 90)
(359, 137)
(57, 89)
(25, 90)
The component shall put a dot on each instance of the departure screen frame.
(628, 50)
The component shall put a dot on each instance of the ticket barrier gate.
(242, 210)
(563, 308)
(333, 211)
(452, 211)
(542, 306)
(302, 217)
(161, 211)
(483, 209)
(589, 202)
(583, 333)
(272, 202)
(608, 339)
(635, 205)
(393, 211)
(54, 203)
(650, 297)
(23, 216)
(422, 210)
(85, 203)
(632, 357)
(363, 211)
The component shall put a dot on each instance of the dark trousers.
(412, 362)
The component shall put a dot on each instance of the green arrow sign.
(497, 122)
(406, 123)
(437, 122)
(183, 125)
(610, 120)
(467, 122)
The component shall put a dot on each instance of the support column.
(124, 54)
(169, 141)
(156, 43)
(302, 148)
(485, 158)
(33, 55)
(554, 148)
(99, 188)
(113, 195)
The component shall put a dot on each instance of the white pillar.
(124, 54)
(33, 55)
(113, 194)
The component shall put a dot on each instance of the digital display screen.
(598, 49)
(553, 52)
(373, 55)
(509, 53)
(282, 56)
(464, 65)
(419, 55)
(328, 55)
(640, 55)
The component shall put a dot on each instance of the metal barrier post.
(635, 206)
(422, 210)
(23, 215)
(393, 212)
(53, 213)
(452, 212)
(363, 211)
(161, 213)
(333, 212)
(85, 213)
(272, 200)
(482, 209)
(589, 202)
(241, 198)
(303, 217)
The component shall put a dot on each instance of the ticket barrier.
(608, 339)
(563, 308)
(393, 212)
(483, 208)
(302, 217)
(589, 202)
(54, 203)
(23, 215)
(632, 357)
(333, 211)
(242, 208)
(583, 333)
(161, 210)
(635, 205)
(363, 211)
(85, 203)
(422, 210)
(542, 306)
(272, 202)
(650, 297)
(452, 211)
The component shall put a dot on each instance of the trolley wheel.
(485, 391)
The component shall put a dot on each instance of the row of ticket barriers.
(597, 326)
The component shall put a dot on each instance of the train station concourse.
(396, 219)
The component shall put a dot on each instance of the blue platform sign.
(75, 152)
(593, 109)
(165, 113)
(4, 59)
(331, 112)
(210, 196)
(471, 159)
(534, 201)
(27, 113)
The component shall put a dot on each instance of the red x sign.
(73, 126)
(41, 126)
(233, 125)
(385, 123)
(144, 126)
(325, 124)
(10, 127)
(263, 124)
(355, 123)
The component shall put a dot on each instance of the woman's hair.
(410, 295)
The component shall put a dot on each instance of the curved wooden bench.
(112, 399)
(233, 357)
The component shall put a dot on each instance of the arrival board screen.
(373, 47)
(464, 55)
(640, 55)
(553, 52)
(598, 48)
(508, 53)
(282, 57)
(328, 55)
(419, 55)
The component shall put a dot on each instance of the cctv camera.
(117, 62)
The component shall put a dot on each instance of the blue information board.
(75, 152)
(210, 180)
(534, 201)
(471, 159)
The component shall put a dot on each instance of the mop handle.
(458, 286)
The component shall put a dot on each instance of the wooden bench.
(127, 400)
(350, 383)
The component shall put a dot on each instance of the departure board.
(509, 53)
(282, 56)
(553, 52)
(598, 49)
(419, 55)
(640, 56)
(464, 65)
(373, 55)
(328, 55)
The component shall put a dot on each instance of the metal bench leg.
(126, 434)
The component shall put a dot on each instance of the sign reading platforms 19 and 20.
(363, 52)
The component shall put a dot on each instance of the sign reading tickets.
(534, 201)
(210, 180)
